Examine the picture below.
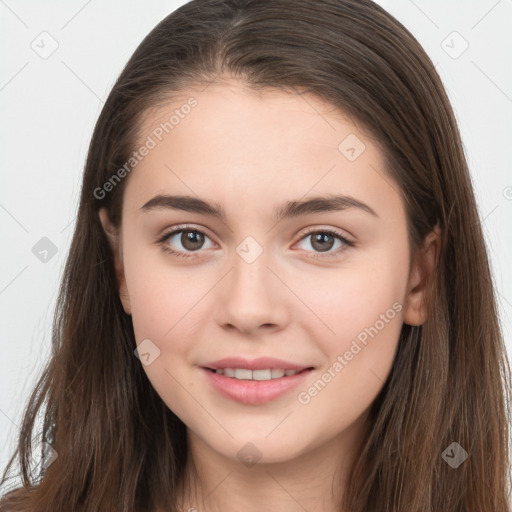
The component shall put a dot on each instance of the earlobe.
(420, 279)
(115, 246)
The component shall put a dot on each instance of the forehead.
(235, 113)
(226, 140)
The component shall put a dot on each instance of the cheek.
(164, 304)
(162, 297)
(362, 305)
(365, 311)
(346, 302)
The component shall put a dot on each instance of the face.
(321, 286)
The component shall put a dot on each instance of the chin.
(251, 450)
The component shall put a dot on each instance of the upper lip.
(260, 363)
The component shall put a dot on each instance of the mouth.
(255, 387)
(258, 375)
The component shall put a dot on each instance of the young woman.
(278, 295)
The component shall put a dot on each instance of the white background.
(49, 107)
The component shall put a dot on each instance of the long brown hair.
(119, 447)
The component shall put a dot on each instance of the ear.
(114, 240)
(420, 279)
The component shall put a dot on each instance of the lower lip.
(254, 392)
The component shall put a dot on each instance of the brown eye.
(192, 240)
(323, 240)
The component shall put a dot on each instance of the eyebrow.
(288, 209)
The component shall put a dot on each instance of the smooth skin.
(250, 153)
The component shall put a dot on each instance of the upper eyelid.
(183, 227)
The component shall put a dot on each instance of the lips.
(247, 381)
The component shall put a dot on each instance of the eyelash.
(161, 241)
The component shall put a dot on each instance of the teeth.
(262, 374)
(245, 374)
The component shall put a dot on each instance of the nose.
(252, 298)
